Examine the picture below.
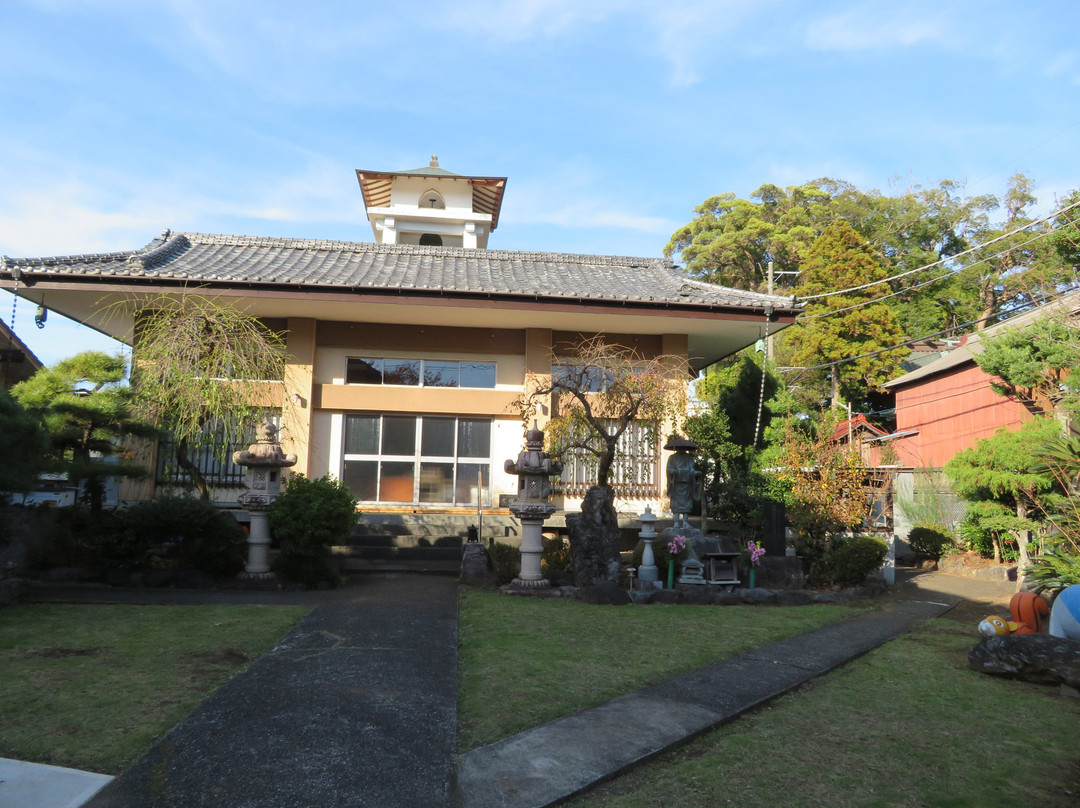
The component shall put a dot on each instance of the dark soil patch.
(228, 657)
(63, 653)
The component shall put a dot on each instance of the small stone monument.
(648, 572)
(533, 505)
(263, 461)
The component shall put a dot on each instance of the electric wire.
(950, 273)
(910, 342)
(942, 261)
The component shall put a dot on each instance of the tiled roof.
(367, 267)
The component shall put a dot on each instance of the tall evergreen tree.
(853, 328)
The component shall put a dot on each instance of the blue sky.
(612, 120)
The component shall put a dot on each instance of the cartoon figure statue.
(682, 478)
(1028, 612)
(1065, 616)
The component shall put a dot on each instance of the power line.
(943, 261)
(910, 342)
(949, 273)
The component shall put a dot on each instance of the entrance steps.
(381, 540)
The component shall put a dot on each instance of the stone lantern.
(648, 573)
(533, 505)
(263, 462)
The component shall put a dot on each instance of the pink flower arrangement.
(676, 545)
(756, 552)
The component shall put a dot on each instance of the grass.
(92, 686)
(908, 725)
(525, 661)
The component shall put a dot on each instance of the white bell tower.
(431, 206)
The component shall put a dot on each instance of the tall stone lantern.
(533, 505)
(263, 462)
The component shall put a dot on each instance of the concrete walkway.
(357, 707)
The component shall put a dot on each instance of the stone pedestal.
(258, 563)
(532, 544)
(648, 572)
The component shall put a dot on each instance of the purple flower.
(676, 545)
(756, 552)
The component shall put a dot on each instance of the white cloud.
(66, 217)
(49, 213)
(566, 199)
(516, 20)
(874, 27)
(320, 191)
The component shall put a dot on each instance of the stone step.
(413, 529)
(349, 557)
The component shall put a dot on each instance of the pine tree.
(85, 406)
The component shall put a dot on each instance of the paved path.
(355, 707)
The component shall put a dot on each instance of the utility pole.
(769, 288)
(769, 339)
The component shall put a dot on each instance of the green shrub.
(556, 557)
(930, 541)
(506, 561)
(96, 541)
(849, 561)
(981, 540)
(184, 532)
(305, 519)
(1056, 567)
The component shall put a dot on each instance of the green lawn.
(525, 661)
(908, 726)
(92, 686)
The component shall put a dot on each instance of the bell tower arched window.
(430, 240)
(432, 200)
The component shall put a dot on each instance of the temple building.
(407, 353)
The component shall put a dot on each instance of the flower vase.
(752, 571)
(671, 574)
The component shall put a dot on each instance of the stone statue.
(682, 479)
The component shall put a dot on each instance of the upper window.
(420, 372)
(432, 199)
(430, 240)
(587, 379)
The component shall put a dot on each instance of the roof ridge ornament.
(173, 243)
(434, 161)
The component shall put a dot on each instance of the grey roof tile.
(360, 266)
